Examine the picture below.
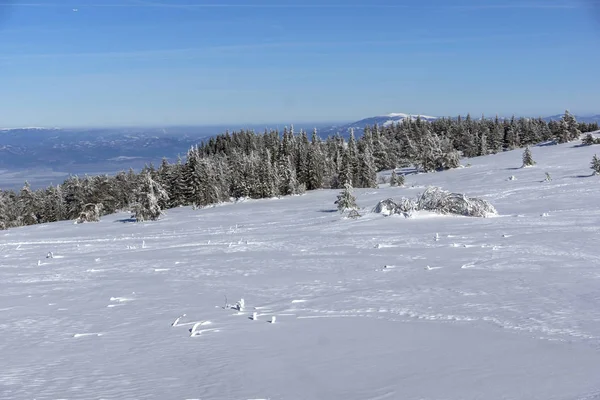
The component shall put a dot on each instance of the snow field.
(373, 308)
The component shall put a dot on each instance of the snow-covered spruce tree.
(345, 174)
(267, 178)
(29, 204)
(287, 176)
(346, 200)
(527, 158)
(571, 126)
(367, 169)
(177, 188)
(595, 166)
(149, 195)
(315, 164)
(4, 222)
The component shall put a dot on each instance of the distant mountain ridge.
(381, 120)
(394, 118)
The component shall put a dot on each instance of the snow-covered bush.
(440, 201)
(396, 180)
(589, 140)
(91, 213)
(407, 207)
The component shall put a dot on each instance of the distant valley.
(48, 155)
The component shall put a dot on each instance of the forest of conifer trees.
(246, 164)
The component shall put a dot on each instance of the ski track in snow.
(348, 295)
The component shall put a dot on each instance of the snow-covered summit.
(381, 120)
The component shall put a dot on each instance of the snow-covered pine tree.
(367, 169)
(4, 222)
(527, 158)
(352, 154)
(595, 166)
(483, 141)
(267, 178)
(53, 207)
(238, 175)
(496, 136)
(177, 189)
(149, 196)
(287, 177)
(380, 154)
(315, 163)
(345, 174)
(29, 205)
(571, 126)
(346, 200)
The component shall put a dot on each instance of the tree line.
(247, 164)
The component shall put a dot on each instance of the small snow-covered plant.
(528, 158)
(595, 166)
(382, 180)
(346, 200)
(548, 177)
(394, 179)
(407, 207)
(91, 213)
(588, 140)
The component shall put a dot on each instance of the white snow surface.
(373, 308)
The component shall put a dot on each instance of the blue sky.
(128, 62)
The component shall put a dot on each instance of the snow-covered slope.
(374, 308)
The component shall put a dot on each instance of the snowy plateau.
(429, 307)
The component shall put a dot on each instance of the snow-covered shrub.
(407, 207)
(441, 201)
(396, 180)
(589, 140)
(91, 213)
